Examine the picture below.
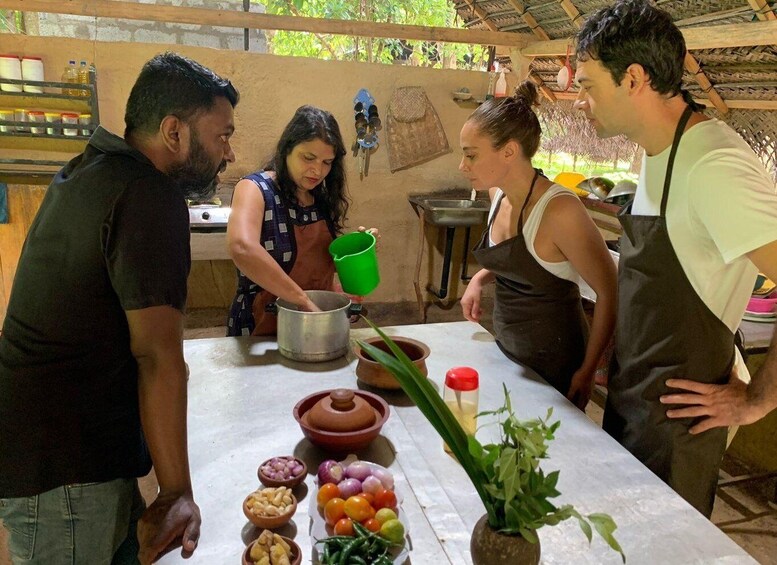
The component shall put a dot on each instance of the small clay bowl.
(341, 442)
(270, 522)
(288, 483)
(295, 558)
(374, 374)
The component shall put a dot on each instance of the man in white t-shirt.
(703, 223)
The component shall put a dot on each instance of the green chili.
(349, 549)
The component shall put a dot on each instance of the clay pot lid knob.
(342, 399)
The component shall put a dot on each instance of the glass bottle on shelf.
(70, 76)
(491, 83)
(83, 78)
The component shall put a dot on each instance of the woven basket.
(414, 134)
(372, 373)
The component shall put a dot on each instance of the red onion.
(385, 477)
(281, 468)
(349, 487)
(372, 485)
(330, 471)
(358, 470)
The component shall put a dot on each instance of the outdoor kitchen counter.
(240, 413)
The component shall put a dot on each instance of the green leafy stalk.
(506, 475)
(421, 391)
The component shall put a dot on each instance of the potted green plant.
(506, 475)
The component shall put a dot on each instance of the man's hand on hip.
(719, 405)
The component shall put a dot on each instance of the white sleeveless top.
(562, 269)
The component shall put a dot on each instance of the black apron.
(664, 330)
(538, 317)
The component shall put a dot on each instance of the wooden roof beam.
(762, 9)
(482, 14)
(708, 37)
(693, 67)
(546, 92)
(239, 19)
(573, 13)
(529, 19)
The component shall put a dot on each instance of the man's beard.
(196, 177)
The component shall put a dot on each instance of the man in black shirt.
(92, 375)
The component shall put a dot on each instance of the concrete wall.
(109, 29)
(272, 87)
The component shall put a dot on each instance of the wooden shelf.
(43, 142)
(19, 177)
(31, 101)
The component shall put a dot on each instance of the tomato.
(372, 525)
(334, 510)
(344, 527)
(326, 493)
(369, 497)
(385, 499)
(357, 508)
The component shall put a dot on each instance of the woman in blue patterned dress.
(283, 219)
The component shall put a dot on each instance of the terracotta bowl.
(341, 442)
(374, 374)
(296, 552)
(289, 483)
(270, 522)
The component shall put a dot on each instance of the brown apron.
(313, 269)
(538, 317)
(664, 330)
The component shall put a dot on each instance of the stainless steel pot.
(315, 336)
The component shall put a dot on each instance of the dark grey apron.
(538, 317)
(664, 330)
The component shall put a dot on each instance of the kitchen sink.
(452, 212)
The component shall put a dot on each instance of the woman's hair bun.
(527, 93)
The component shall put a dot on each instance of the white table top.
(241, 395)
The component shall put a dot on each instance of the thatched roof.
(738, 84)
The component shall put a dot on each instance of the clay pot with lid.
(341, 411)
(340, 420)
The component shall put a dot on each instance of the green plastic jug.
(356, 262)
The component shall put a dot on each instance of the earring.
(323, 184)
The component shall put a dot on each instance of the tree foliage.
(438, 13)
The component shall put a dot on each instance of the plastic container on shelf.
(85, 120)
(36, 117)
(460, 394)
(32, 69)
(500, 91)
(20, 115)
(69, 118)
(53, 118)
(10, 67)
(6, 116)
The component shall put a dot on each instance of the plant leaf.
(605, 526)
